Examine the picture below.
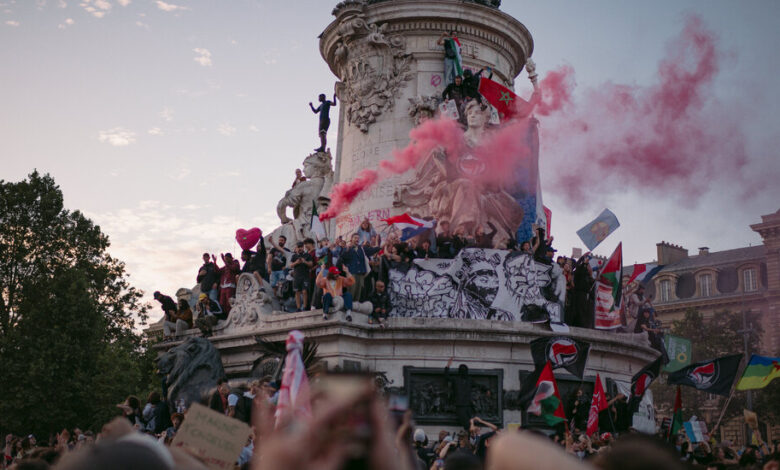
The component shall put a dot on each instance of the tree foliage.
(67, 315)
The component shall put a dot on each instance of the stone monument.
(390, 70)
(485, 306)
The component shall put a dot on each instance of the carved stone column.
(384, 54)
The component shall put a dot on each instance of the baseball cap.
(333, 270)
(419, 435)
(202, 296)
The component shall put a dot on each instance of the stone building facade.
(741, 279)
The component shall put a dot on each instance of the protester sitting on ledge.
(380, 304)
(169, 309)
(332, 286)
(181, 320)
(209, 312)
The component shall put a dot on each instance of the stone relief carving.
(432, 398)
(251, 301)
(372, 64)
(422, 108)
(318, 168)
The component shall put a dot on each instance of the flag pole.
(723, 412)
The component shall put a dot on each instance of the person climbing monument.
(324, 110)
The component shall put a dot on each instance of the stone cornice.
(471, 21)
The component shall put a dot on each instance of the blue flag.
(596, 231)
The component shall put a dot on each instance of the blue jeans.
(276, 276)
(327, 301)
(450, 71)
(213, 294)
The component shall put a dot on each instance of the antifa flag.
(598, 403)
(713, 376)
(561, 352)
(641, 382)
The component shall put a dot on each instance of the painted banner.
(214, 438)
(479, 284)
(607, 317)
(595, 231)
(679, 351)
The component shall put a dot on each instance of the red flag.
(548, 216)
(597, 405)
(638, 269)
(677, 421)
(506, 102)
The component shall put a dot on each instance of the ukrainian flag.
(759, 372)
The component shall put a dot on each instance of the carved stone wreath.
(372, 65)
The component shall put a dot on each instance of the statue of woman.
(455, 188)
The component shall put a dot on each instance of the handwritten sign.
(213, 437)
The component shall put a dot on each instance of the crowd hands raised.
(355, 428)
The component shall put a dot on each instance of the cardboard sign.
(213, 437)
(449, 109)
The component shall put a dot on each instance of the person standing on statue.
(452, 67)
(461, 389)
(324, 110)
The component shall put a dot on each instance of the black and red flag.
(561, 351)
(713, 376)
(641, 382)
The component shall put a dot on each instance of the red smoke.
(504, 151)
(425, 138)
(672, 136)
(342, 195)
(556, 89)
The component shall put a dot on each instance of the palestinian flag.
(561, 351)
(316, 224)
(506, 102)
(713, 376)
(609, 291)
(597, 404)
(454, 43)
(677, 419)
(759, 372)
(641, 382)
(546, 402)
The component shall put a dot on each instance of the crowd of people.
(313, 274)
(363, 431)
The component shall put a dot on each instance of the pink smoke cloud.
(342, 195)
(671, 137)
(425, 138)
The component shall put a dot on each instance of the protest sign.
(213, 437)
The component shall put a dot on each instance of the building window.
(749, 280)
(705, 285)
(666, 289)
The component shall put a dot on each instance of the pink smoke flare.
(342, 195)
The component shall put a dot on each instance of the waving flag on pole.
(597, 404)
(713, 376)
(609, 291)
(677, 420)
(316, 224)
(409, 226)
(759, 372)
(598, 229)
(294, 397)
(546, 402)
(506, 102)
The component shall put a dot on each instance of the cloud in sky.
(96, 8)
(169, 7)
(155, 131)
(118, 137)
(12, 23)
(124, 3)
(162, 244)
(66, 23)
(203, 56)
(226, 129)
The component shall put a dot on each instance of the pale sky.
(172, 124)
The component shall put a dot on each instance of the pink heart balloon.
(247, 239)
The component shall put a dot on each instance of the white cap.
(419, 435)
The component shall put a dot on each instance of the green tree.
(67, 315)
